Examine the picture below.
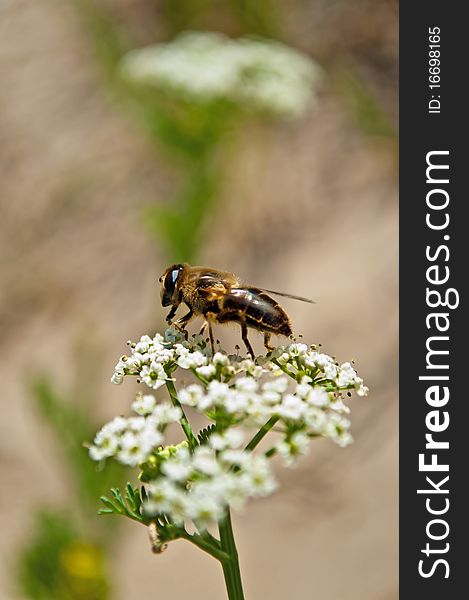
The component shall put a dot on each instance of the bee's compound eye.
(175, 275)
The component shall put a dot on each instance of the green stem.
(183, 420)
(230, 567)
(214, 550)
(263, 431)
(284, 369)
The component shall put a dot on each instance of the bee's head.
(169, 280)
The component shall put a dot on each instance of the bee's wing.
(206, 276)
(289, 296)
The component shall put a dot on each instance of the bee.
(221, 297)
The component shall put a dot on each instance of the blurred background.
(104, 182)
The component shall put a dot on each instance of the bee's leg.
(244, 335)
(203, 328)
(267, 343)
(179, 324)
(171, 314)
(210, 332)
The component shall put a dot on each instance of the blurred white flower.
(204, 67)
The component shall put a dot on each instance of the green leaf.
(204, 434)
(130, 506)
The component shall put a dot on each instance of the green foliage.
(59, 564)
(128, 505)
(204, 434)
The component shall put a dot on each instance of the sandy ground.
(310, 208)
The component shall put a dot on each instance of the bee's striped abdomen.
(256, 308)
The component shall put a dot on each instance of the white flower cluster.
(132, 441)
(154, 359)
(251, 403)
(295, 390)
(204, 67)
(298, 385)
(198, 486)
(322, 368)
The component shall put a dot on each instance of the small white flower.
(218, 392)
(106, 439)
(175, 470)
(258, 478)
(346, 375)
(290, 449)
(160, 356)
(330, 371)
(295, 350)
(235, 457)
(291, 407)
(337, 428)
(231, 438)
(283, 358)
(162, 494)
(234, 438)
(217, 441)
(117, 377)
(315, 419)
(203, 507)
(99, 453)
(205, 461)
(317, 396)
(246, 384)
(117, 425)
(132, 453)
(279, 385)
(344, 439)
(191, 395)
(249, 366)
(339, 406)
(157, 340)
(206, 371)
(150, 437)
(220, 359)
(136, 424)
(230, 487)
(192, 360)
(154, 376)
(144, 404)
(165, 413)
(135, 362)
(236, 402)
